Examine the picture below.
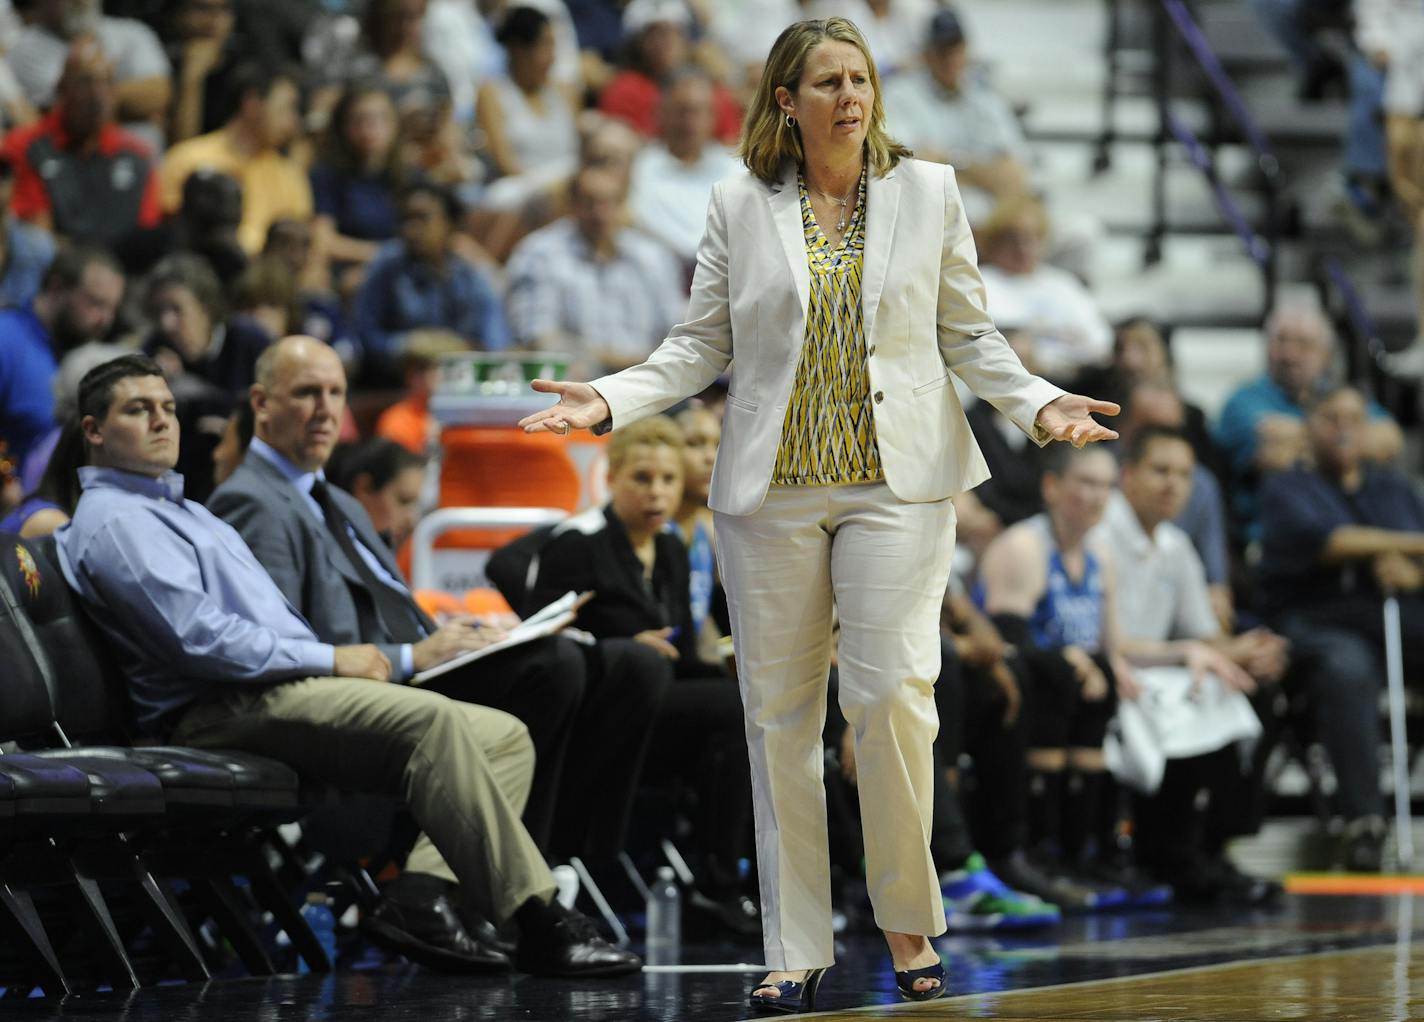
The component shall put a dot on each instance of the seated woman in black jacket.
(638, 568)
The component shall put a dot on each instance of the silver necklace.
(842, 203)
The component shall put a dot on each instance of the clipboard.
(546, 621)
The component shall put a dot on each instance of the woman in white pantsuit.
(838, 278)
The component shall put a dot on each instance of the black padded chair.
(72, 818)
(219, 803)
(91, 703)
(38, 799)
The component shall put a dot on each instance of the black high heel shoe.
(795, 997)
(905, 982)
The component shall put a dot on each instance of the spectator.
(216, 657)
(78, 300)
(1049, 590)
(396, 59)
(527, 117)
(322, 550)
(408, 422)
(656, 32)
(459, 37)
(672, 179)
(386, 479)
(701, 434)
(356, 176)
(205, 56)
(76, 172)
(208, 358)
(949, 115)
(1296, 24)
(1262, 428)
(236, 435)
(895, 29)
(420, 282)
(205, 225)
(65, 386)
(319, 311)
(265, 301)
(389, 53)
(192, 333)
(1166, 618)
(592, 287)
(1202, 517)
(640, 574)
(1049, 305)
(1141, 355)
(139, 69)
(608, 144)
(1014, 489)
(1337, 538)
(25, 251)
(1391, 36)
(248, 147)
(51, 504)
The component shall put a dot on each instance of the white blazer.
(923, 304)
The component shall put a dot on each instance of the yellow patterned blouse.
(828, 437)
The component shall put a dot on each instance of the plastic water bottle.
(664, 915)
(317, 912)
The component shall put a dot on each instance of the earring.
(790, 121)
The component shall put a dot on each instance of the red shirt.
(97, 196)
(634, 97)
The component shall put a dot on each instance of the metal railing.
(1174, 27)
(445, 519)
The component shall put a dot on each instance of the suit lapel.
(785, 203)
(883, 200)
(297, 505)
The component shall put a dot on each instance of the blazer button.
(879, 396)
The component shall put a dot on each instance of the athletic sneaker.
(1142, 890)
(975, 899)
(1049, 883)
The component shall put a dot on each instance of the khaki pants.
(463, 770)
(884, 565)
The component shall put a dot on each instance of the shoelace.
(580, 927)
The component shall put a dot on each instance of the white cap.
(641, 14)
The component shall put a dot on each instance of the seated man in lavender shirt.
(216, 657)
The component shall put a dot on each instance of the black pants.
(587, 711)
(627, 687)
(1338, 656)
(1173, 828)
(971, 714)
(700, 738)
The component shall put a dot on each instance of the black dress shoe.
(430, 934)
(733, 914)
(570, 946)
(484, 932)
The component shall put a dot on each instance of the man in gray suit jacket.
(320, 547)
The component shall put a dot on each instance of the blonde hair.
(1007, 214)
(655, 431)
(768, 144)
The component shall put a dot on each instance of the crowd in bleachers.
(187, 185)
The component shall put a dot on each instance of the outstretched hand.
(1068, 418)
(579, 407)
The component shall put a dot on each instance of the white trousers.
(883, 564)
